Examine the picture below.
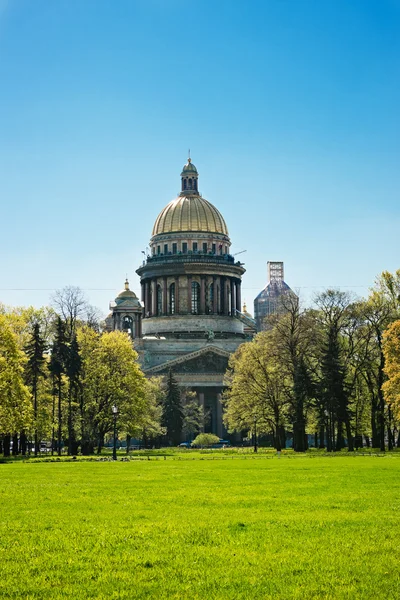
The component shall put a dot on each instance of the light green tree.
(110, 375)
(258, 394)
(15, 398)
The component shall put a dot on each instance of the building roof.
(273, 290)
(190, 213)
(127, 298)
(189, 168)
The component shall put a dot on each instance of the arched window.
(190, 184)
(159, 300)
(195, 184)
(184, 184)
(195, 298)
(172, 299)
(127, 325)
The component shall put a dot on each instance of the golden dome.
(190, 213)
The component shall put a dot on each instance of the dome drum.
(178, 326)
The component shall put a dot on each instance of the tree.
(15, 399)
(193, 415)
(205, 440)
(71, 304)
(334, 394)
(72, 370)
(258, 395)
(34, 371)
(57, 365)
(293, 333)
(391, 349)
(172, 415)
(110, 376)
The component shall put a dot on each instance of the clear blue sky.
(290, 108)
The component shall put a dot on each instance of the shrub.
(205, 440)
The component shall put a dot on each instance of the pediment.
(210, 359)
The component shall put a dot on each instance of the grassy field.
(309, 528)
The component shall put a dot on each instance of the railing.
(201, 257)
(245, 319)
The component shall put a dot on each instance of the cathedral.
(189, 318)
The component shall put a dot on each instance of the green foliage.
(35, 371)
(15, 398)
(193, 416)
(205, 440)
(258, 392)
(172, 413)
(110, 376)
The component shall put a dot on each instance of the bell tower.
(189, 180)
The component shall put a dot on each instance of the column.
(142, 287)
(233, 298)
(146, 298)
(164, 296)
(238, 295)
(153, 297)
(177, 295)
(227, 293)
(215, 297)
(189, 293)
(219, 423)
(222, 292)
(201, 403)
(202, 295)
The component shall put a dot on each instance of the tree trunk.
(398, 439)
(100, 443)
(358, 441)
(339, 437)
(35, 414)
(374, 423)
(316, 439)
(299, 437)
(6, 445)
(321, 438)
(389, 430)
(23, 442)
(381, 400)
(59, 418)
(367, 441)
(128, 443)
(15, 450)
(350, 441)
(277, 440)
(282, 434)
(70, 440)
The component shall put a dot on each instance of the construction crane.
(241, 252)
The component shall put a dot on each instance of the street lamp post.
(115, 415)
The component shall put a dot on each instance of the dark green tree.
(335, 320)
(172, 415)
(57, 366)
(34, 371)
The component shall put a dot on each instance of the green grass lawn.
(309, 528)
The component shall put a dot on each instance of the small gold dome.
(190, 213)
